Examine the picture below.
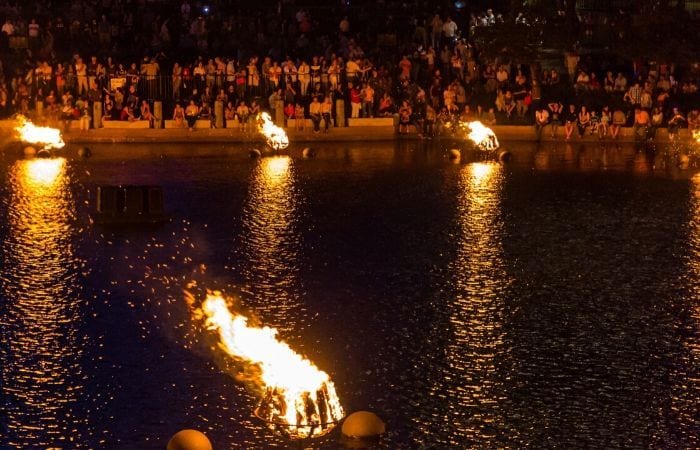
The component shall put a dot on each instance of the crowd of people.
(428, 71)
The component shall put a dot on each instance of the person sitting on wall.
(541, 121)
(191, 114)
(299, 117)
(642, 121)
(315, 114)
(675, 123)
(179, 116)
(618, 120)
(146, 113)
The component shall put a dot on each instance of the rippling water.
(549, 302)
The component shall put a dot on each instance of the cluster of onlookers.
(429, 75)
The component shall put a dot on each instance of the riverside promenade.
(137, 132)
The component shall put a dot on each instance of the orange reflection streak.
(40, 355)
(475, 315)
(271, 242)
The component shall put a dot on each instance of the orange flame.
(275, 136)
(696, 135)
(481, 135)
(31, 134)
(299, 398)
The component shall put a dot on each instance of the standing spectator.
(449, 31)
(81, 73)
(367, 94)
(355, 101)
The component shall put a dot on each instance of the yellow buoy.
(363, 425)
(455, 153)
(189, 440)
(255, 153)
(308, 152)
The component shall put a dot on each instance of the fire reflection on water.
(39, 348)
(475, 314)
(271, 241)
(685, 377)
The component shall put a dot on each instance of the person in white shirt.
(449, 30)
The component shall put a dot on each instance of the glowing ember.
(481, 135)
(696, 136)
(275, 136)
(298, 398)
(31, 134)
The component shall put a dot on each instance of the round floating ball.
(308, 153)
(84, 152)
(363, 425)
(189, 440)
(505, 156)
(455, 153)
(255, 153)
(683, 161)
(43, 153)
(29, 151)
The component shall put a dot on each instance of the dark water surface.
(550, 302)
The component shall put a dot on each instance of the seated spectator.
(675, 123)
(179, 116)
(128, 114)
(405, 112)
(570, 119)
(605, 119)
(299, 117)
(146, 113)
(541, 121)
(642, 122)
(289, 111)
(618, 120)
(584, 121)
(386, 105)
(315, 114)
(229, 114)
(191, 114)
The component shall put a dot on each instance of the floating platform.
(130, 205)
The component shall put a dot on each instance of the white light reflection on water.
(475, 315)
(271, 242)
(41, 375)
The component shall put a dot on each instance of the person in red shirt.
(355, 101)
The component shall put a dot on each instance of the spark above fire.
(298, 398)
(32, 134)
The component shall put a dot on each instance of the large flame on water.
(480, 134)
(275, 136)
(32, 134)
(299, 398)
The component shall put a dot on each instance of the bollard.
(279, 113)
(218, 114)
(39, 109)
(158, 114)
(97, 114)
(340, 113)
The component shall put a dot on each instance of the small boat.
(130, 205)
